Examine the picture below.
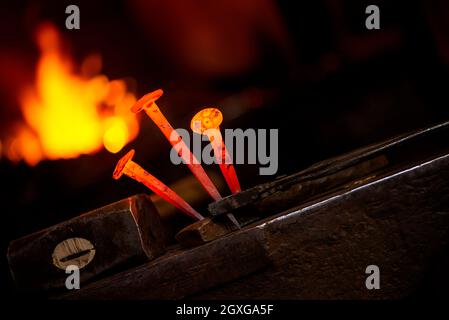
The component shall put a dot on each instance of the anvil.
(345, 171)
(392, 212)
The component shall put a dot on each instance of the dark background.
(310, 69)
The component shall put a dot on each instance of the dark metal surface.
(204, 231)
(184, 272)
(122, 234)
(398, 220)
(279, 197)
(322, 177)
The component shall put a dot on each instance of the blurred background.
(311, 70)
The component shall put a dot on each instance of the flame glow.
(69, 114)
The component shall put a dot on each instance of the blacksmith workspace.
(227, 150)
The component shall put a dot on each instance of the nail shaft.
(224, 160)
(133, 170)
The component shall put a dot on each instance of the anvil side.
(286, 192)
(396, 218)
(292, 190)
(106, 239)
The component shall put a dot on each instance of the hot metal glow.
(148, 103)
(207, 121)
(133, 170)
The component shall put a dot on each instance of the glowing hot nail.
(133, 170)
(148, 103)
(208, 121)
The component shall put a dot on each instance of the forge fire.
(70, 110)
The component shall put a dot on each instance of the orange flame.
(68, 114)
